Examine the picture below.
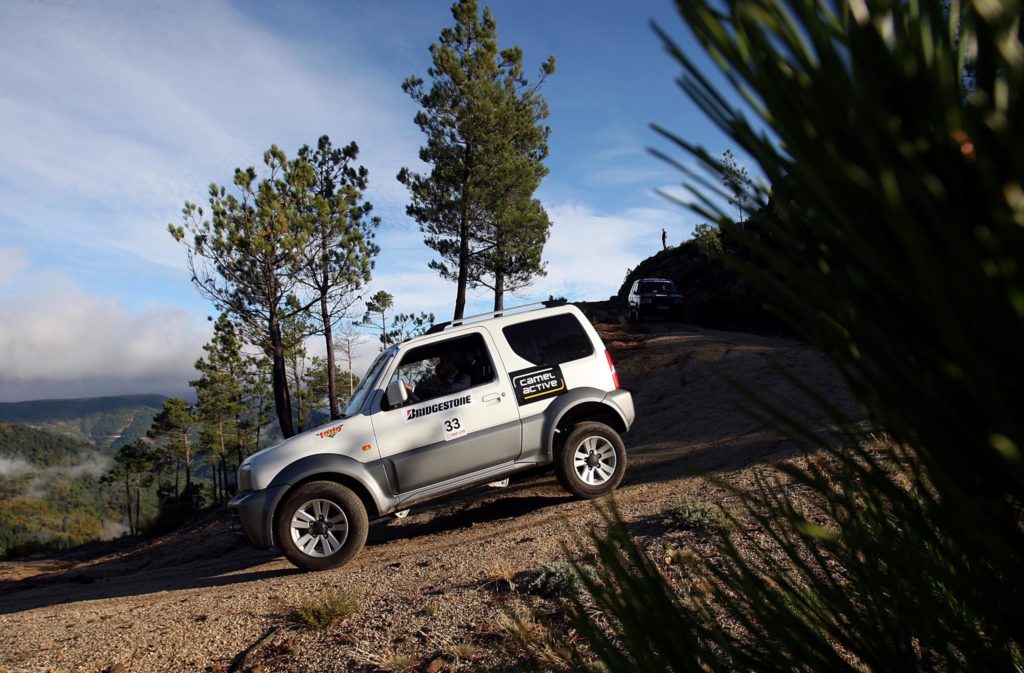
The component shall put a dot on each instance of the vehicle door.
(445, 432)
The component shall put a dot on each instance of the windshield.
(657, 287)
(366, 385)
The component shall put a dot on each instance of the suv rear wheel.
(592, 460)
(321, 525)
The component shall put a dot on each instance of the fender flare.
(564, 404)
(370, 477)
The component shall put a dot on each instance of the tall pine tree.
(243, 258)
(219, 398)
(339, 255)
(485, 142)
(175, 424)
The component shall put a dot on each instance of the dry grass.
(326, 609)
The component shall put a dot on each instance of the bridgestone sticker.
(427, 409)
(537, 383)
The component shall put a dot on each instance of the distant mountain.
(103, 421)
(39, 448)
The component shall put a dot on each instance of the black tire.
(321, 503)
(605, 462)
(632, 315)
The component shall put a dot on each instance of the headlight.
(245, 478)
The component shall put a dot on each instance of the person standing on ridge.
(664, 239)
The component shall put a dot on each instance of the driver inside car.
(448, 378)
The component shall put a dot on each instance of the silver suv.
(471, 402)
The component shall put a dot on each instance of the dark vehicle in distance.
(654, 296)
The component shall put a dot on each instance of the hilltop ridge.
(103, 421)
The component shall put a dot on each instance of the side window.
(445, 367)
(549, 341)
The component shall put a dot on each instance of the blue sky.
(113, 114)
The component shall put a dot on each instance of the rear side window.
(549, 341)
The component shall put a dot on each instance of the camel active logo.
(330, 432)
(537, 383)
(420, 412)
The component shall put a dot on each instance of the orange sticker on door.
(330, 432)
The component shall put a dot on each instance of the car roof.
(498, 319)
(655, 280)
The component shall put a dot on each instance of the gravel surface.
(432, 588)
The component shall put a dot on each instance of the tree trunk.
(348, 362)
(240, 438)
(499, 290)
(177, 474)
(298, 393)
(188, 464)
(500, 258)
(282, 402)
(222, 480)
(332, 380)
(460, 294)
(215, 483)
(224, 475)
(128, 501)
(138, 510)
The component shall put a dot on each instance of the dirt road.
(429, 585)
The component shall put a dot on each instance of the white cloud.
(60, 341)
(13, 261)
(589, 252)
(113, 114)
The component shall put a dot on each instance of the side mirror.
(397, 395)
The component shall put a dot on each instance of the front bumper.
(253, 513)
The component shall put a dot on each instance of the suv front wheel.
(321, 525)
(592, 460)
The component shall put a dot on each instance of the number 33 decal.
(452, 428)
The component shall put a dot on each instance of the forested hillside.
(52, 492)
(103, 421)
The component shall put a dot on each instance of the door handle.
(491, 399)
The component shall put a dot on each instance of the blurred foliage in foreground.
(893, 241)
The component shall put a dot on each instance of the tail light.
(611, 367)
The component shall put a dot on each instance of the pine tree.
(219, 397)
(175, 424)
(739, 184)
(376, 309)
(316, 383)
(339, 255)
(407, 325)
(294, 333)
(244, 258)
(516, 240)
(133, 467)
(484, 145)
(257, 398)
(349, 340)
